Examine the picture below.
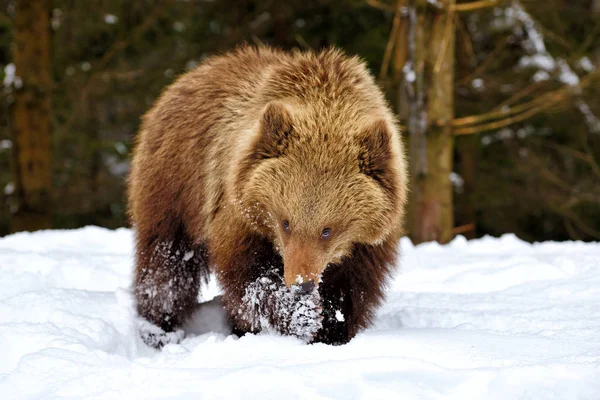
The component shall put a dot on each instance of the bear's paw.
(269, 305)
(156, 337)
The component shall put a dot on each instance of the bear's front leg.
(167, 280)
(250, 272)
(352, 290)
(269, 304)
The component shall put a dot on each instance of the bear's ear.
(275, 131)
(375, 154)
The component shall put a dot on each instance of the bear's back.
(203, 125)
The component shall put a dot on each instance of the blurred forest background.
(499, 100)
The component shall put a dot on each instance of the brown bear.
(283, 172)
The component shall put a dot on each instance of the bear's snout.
(302, 264)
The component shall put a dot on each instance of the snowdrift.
(495, 318)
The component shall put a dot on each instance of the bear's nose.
(307, 287)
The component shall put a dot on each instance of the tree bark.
(31, 116)
(431, 140)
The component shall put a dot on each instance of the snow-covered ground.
(486, 319)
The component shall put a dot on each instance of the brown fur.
(245, 141)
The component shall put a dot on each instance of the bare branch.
(475, 5)
(112, 52)
(463, 228)
(463, 35)
(450, 22)
(526, 91)
(574, 218)
(302, 42)
(381, 6)
(489, 60)
(520, 112)
(588, 40)
(391, 41)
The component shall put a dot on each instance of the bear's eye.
(326, 233)
(285, 225)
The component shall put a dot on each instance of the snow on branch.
(517, 19)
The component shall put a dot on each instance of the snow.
(178, 26)
(566, 74)
(535, 40)
(477, 84)
(585, 64)
(5, 144)
(9, 188)
(592, 122)
(409, 73)
(10, 77)
(540, 76)
(110, 19)
(457, 181)
(515, 17)
(543, 61)
(538, 56)
(9, 74)
(494, 318)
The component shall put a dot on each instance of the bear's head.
(317, 185)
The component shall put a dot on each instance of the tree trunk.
(467, 148)
(431, 140)
(31, 117)
(596, 11)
